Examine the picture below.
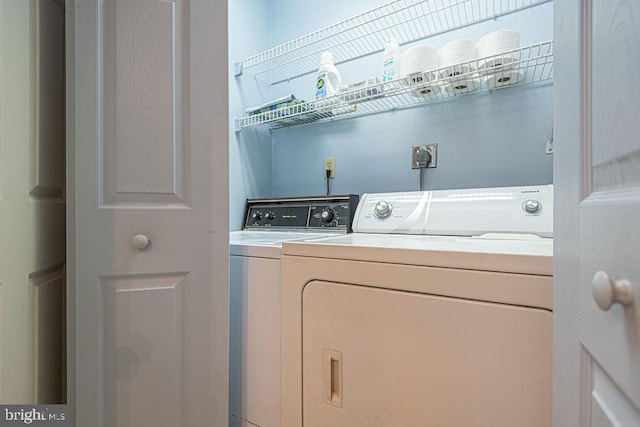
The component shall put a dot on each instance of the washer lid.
(265, 244)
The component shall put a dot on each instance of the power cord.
(424, 160)
(327, 174)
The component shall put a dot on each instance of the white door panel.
(614, 127)
(609, 406)
(143, 351)
(49, 332)
(144, 102)
(610, 211)
(612, 337)
(47, 164)
(598, 121)
(32, 205)
(151, 159)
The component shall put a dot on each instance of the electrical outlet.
(329, 165)
(424, 156)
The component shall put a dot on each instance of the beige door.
(597, 288)
(379, 357)
(32, 206)
(150, 242)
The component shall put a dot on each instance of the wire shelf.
(526, 65)
(367, 33)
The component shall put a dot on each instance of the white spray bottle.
(391, 65)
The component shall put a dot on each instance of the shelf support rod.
(237, 69)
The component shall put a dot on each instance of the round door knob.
(607, 291)
(139, 241)
(382, 209)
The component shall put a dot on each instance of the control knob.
(382, 209)
(532, 206)
(270, 216)
(257, 216)
(327, 216)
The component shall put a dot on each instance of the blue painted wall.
(488, 139)
(249, 151)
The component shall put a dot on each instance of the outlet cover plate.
(329, 164)
(433, 151)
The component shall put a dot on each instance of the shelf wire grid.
(516, 67)
(367, 33)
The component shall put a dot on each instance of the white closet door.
(151, 221)
(610, 210)
(32, 206)
(598, 217)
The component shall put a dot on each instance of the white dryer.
(436, 311)
(254, 344)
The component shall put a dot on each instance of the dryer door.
(377, 357)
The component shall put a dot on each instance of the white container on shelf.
(453, 54)
(391, 61)
(461, 85)
(417, 60)
(495, 48)
(328, 79)
(418, 69)
(364, 90)
(457, 58)
(503, 79)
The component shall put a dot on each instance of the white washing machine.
(254, 359)
(435, 311)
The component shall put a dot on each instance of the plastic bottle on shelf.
(391, 61)
(329, 80)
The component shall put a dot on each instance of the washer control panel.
(300, 213)
(465, 212)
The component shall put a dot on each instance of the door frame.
(568, 124)
(70, 146)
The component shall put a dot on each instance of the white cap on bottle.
(326, 58)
